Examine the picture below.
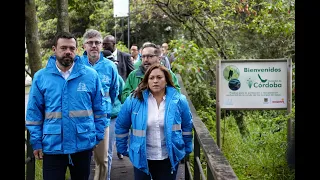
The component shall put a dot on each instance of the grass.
(27, 89)
(262, 153)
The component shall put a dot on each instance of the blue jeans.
(112, 139)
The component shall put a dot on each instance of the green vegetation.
(253, 141)
(38, 171)
(262, 153)
(27, 89)
(259, 155)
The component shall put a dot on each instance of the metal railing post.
(31, 168)
(196, 175)
(186, 170)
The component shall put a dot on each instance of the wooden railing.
(30, 160)
(218, 167)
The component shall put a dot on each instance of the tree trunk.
(32, 37)
(63, 17)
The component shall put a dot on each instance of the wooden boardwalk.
(122, 169)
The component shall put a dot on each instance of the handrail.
(30, 160)
(218, 167)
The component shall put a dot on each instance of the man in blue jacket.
(108, 73)
(66, 114)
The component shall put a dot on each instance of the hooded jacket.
(66, 116)
(177, 128)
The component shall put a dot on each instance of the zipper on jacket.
(171, 137)
(165, 124)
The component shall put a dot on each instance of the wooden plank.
(120, 168)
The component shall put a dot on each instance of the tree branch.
(27, 72)
(175, 15)
(216, 41)
(171, 13)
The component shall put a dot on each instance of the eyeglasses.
(148, 56)
(90, 43)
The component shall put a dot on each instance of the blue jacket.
(117, 103)
(177, 128)
(108, 74)
(65, 116)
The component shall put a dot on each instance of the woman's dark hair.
(144, 83)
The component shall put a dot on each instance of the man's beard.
(93, 55)
(65, 61)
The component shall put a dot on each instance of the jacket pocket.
(135, 154)
(85, 135)
(51, 140)
(178, 146)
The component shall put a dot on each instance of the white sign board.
(253, 84)
(120, 8)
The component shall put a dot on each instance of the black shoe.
(120, 156)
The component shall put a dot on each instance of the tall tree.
(32, 37)
(62, 14)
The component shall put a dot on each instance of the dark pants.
(159, 169)
(55, 166)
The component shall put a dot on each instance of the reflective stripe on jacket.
(65, 116)
(177, 127)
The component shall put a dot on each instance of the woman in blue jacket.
(161, 126)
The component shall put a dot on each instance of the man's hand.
(38, 154)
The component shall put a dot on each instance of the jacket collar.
(140, 72)
(77, 70)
